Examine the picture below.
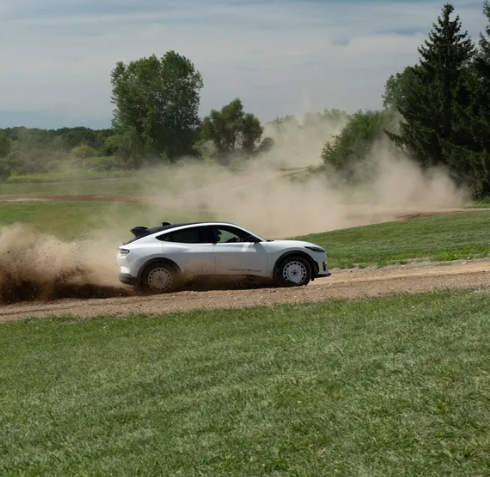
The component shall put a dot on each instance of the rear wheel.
(160, 278)
(293, 272)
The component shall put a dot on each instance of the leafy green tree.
(352, 146)
(327, 116)
(110, 145)
(285, 120)
(233, 131)
(397, 88)
(4, 144)
(435, 90)
(158, 101)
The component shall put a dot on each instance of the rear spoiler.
(140, 231)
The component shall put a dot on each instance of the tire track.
(346, 285)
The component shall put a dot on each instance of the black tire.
(160, 278)
(293, 271)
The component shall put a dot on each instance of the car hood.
(295, 244)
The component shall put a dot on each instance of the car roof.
(141, 232)
(144, 232)
(162, 228)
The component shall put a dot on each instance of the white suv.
(158, 259)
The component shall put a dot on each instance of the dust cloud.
(274, 195)
(36, 266)
(277, 194)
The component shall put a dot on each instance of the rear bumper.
(128, 279)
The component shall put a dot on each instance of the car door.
(235, 254)
(190, 248)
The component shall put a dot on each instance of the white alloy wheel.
(295, 272)
(160, 279)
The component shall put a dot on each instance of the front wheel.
(293, 272)
(159, 278)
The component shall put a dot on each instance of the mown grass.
(132, 185)
(144, 182)
(481, 203)
(380, 387)
(77, 220)
(69, 176)
(445, 237)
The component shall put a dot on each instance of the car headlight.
(123, 252)
(316, 249)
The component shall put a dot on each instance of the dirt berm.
(341, 285)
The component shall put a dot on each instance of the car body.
(158, 259)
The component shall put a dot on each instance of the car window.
(190, 235)
(224, 234)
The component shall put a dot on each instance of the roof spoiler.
(140, 231)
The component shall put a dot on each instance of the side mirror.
(253, 239)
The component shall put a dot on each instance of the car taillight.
(123, 251)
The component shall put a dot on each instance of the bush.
(352, 146)
(4, 170)
(83, 151)
(100, 164)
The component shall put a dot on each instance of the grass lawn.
(385, 387)
(74, 220)
(144, 182)
(481, 203)
(127, 182)
(121, 185)
(445, 237)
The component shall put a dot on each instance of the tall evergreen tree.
(436, 86)
(472, 147)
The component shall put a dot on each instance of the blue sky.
(280, 57)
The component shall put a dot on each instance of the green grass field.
(481, 203)
(75, 220)
(101, 183)
(119, 186)
(445, 237)
(385, 387)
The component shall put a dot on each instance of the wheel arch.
(297, 253)
(153, 261)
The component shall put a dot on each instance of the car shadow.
(202, 284)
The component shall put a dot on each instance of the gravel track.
(341, 285)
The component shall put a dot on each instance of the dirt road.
(341, 285)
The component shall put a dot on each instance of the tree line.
(437, 111)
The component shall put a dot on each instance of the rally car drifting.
(159, 259)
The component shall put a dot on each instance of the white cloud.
(278, 57)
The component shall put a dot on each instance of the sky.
(280, 57)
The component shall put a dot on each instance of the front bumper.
(321, 270)
(128, 279)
